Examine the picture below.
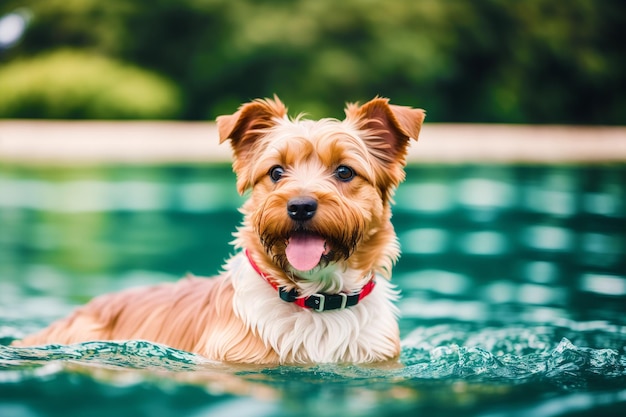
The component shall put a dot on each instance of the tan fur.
(237, 316)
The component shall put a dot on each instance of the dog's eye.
(344, 173)
(276, 173)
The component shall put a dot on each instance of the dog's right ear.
(244, 128)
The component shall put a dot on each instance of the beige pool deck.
(146, 142)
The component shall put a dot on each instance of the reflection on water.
(513, 284)
(511, 242)
(509, 238)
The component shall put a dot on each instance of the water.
(513, 281)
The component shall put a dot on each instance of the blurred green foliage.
(71, 84)
(532, 61)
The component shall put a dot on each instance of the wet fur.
(237, 316)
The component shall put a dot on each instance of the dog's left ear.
(244, 128)
(388, 129)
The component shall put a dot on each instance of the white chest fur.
(363, 333)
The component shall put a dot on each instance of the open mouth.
(304, 251)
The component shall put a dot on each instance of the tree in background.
(534, 61)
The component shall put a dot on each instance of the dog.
(310, 280)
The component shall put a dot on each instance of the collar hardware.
(319, 301)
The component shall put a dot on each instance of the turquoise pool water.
(513, 284)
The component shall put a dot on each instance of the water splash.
(443, 352)
(454, 367)
(516, 354)
(135, 354)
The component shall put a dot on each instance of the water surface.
(513, 284)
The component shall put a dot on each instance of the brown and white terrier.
(310, 281)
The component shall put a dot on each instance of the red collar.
(317, 302)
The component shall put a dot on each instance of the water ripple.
(135, 354)
(449, 366)
(444, 352)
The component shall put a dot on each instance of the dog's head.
(318, 216)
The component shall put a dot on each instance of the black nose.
(301, 208)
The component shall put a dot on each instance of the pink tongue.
(304, 251)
